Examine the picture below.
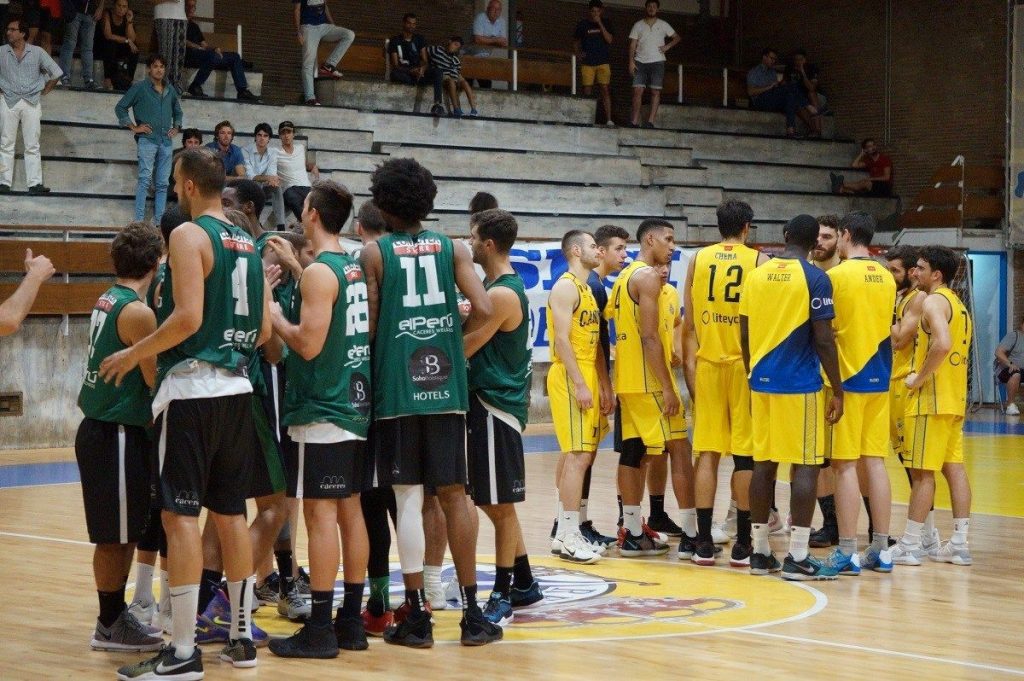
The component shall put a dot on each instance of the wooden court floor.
(652, 617)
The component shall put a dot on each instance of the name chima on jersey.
(726, 254)
(424, 247)
(238, 243)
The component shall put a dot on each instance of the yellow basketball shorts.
(602, 73)
(897, 409)
(933, 440)
(576, 430)
(862, 431)
(721, 409)
(642, 418)
(789, 428)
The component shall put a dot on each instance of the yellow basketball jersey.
(902, 358)
(632, 375)
(945, 391)
(863, 293)
(584, 329)
(718, 274)
(668, 313)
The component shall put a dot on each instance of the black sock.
(619, 497)
(322, 603)
(704, 524)
(284, 563)
(111, 606)
(743, 527)
(522, 575)
(502, 580)
(657, 505)
(828, 511)
(586, 484)
(209, 583)
(416, 598)
(871, 524)
(352, 600)
(469, 603)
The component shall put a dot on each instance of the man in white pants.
(26, 73)
(314, 23)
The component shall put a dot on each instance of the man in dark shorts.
(500, 370)
(418, 354)
(212, 319)
(112, 445)
(879, 181)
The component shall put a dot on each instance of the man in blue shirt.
(768, 91)
(230, 154)
(591, 41)
(313, 23)
(490, 29)
(157, 112)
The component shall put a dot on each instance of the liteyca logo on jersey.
(333, 482)
(414, 248)
(818, 303)
(238, 243)
(708, 317)
(424, 328)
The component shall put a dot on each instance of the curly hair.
(404, 189)
(136, 249)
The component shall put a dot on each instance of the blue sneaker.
(473, 112)
(498, 610)
(879, 561)
(806, 570)
(457, 112)
(214, 625)
(848, 566)
(521, 598)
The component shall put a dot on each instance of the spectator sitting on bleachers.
(313, 23)
(118, 48)
(490, 29)
(261, 167)
(80, 17)
(230, 154)
(204, 58)
(294, 169)
(448, 74)
(769, 91)
(405, 52)
(191, 138)
(805, 76)
(879, 167)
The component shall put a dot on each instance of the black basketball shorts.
(332, 470)
(497, 472)
(427, 449)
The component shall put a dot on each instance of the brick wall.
(948, 73)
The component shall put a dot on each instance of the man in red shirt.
(879, 167)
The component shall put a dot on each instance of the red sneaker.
(327, 71)
(375, 625)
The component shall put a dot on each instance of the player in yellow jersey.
(577, 385)
(716, 377)
(863, 292)
(936, 405)
(786, 336)
(652, 416)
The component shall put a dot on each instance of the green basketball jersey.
(157, 282)
(500, 371)
(419, 364)
(334, 386)
(129, 404)
(232, 304)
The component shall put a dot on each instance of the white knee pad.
(409, 527)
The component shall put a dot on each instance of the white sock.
(688, 521)
(184, 602)
(732, 509)
(960, 527)
(631, 520)
(432, 578)
(165, 595)
(759, 537)
(568, 522)
(144, 583)
(798, 541)
(409, 527)
(583, 511)
(240, 596)
(558, 503)
(912, 535)
(929, 525)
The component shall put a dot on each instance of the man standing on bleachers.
(313, 23)
(26, 74)
(647, 48)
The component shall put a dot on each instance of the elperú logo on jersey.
(238, 243)
(424, 328)
(424, 247)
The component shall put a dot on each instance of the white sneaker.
(775, 525)
(143, 612)
(719, 535)
(1012, 410)
(905, 555)
(957, 554)
(575, 549)
(435, 593)
(930, 544)
(453, 593)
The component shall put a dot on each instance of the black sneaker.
(38, 189)
(761, 564)
(632, 546)
(438, 110)
(593, 536)
(704, 554)
(648, 125)
(351, 633)
(477, 631)
(808, 569)
(165, 666)
(415, 631)
(241, 653)
(309, 641)
(247, 96)
(5, 189)
(662, 523)
(197, 92)
(302, 582)
(687, 547)
(740, 555)
(824, 538)
(521, 598)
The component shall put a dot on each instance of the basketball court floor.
(653, 618)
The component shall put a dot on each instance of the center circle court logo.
(619, 599)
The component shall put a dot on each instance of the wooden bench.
(705, 84)
(958, 194)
